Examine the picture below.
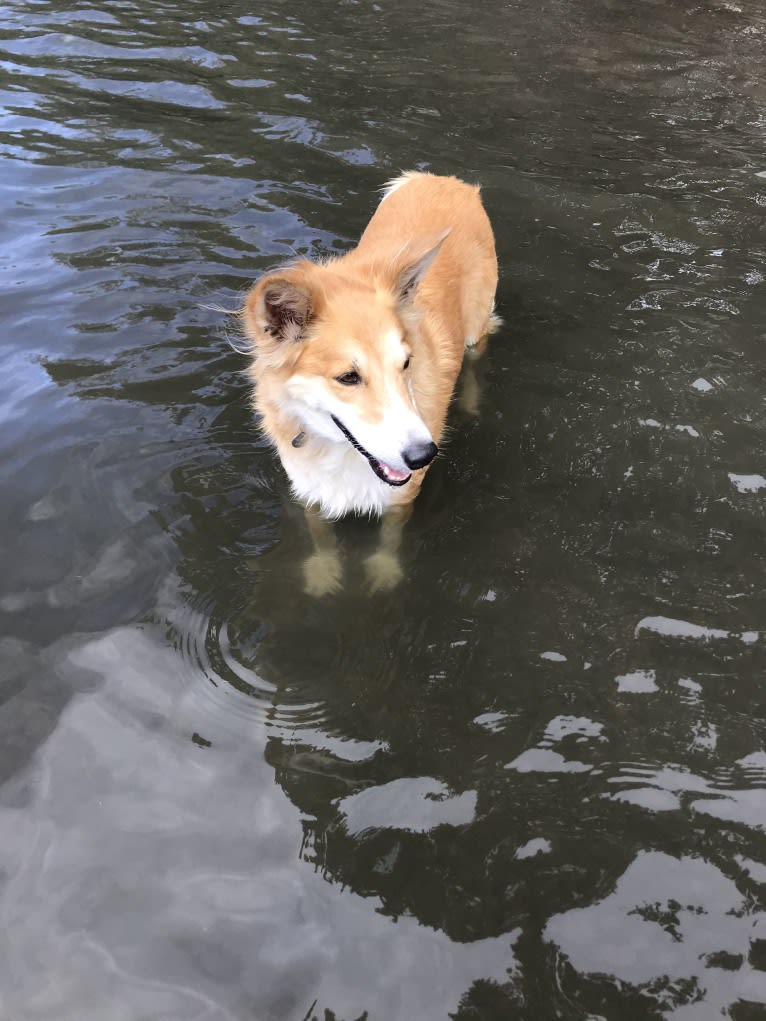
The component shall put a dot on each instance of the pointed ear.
(415, 261)
(279, 308)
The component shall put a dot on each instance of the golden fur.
(355, 360)
(421, 282)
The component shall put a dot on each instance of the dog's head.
(333, 346)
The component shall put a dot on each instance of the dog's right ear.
(278, 310)
(414, 261)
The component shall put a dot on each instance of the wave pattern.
(531, 782)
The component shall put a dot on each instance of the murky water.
(529, 784)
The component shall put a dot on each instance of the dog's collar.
(373, 462)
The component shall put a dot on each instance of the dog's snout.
(418, 455)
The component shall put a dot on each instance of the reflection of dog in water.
(355, 360)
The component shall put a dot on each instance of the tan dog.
(356, 359)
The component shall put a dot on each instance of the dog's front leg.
(322, 571)
(383, 568)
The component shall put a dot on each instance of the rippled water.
(530, 783)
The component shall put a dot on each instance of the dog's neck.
(284, 427)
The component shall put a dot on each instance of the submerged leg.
(469, 389)
(322, 571)
(383, 568)
(469, 386)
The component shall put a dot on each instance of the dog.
(355, 360)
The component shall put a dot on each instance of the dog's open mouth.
(384, 471)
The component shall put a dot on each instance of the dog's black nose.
(420, 454)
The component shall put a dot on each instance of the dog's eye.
(406, 364)
(349, 378)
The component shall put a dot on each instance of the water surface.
(528, 784)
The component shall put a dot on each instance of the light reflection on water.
(529, 784)
(168, 875)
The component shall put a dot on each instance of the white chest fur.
(334, 477)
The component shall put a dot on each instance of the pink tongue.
(392, 473)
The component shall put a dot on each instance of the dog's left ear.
(415, 261)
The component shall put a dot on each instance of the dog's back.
(456, 296)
